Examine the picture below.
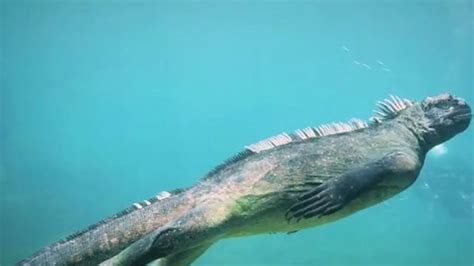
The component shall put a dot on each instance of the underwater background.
(104, 104)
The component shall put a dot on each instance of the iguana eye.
(446, 105)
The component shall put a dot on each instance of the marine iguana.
(285, 183)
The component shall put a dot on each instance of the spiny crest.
(135, 206)
(307, 133)
(270, 143)
(389, 108)
(237, 157)
(160, 196)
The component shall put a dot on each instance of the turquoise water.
(107, 103)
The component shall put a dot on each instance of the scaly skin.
(103, 242)
(272, 191)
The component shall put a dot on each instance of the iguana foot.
(335, 193)
(322, 200)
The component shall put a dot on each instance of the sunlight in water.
(438, 150)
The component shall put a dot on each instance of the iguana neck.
(414, 122)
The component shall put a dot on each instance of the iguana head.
(445, 116)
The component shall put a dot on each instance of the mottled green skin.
(279, 176)
(252, 195)
(108, 239)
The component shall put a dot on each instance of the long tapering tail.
(108, 237)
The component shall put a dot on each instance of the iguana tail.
(105, 239)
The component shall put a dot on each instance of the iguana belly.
(272, 220)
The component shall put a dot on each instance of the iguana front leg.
(335, 193)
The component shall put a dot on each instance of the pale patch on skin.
(257, 171)
(251, 176)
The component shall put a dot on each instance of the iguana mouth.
(462, 113)
(463, 116)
